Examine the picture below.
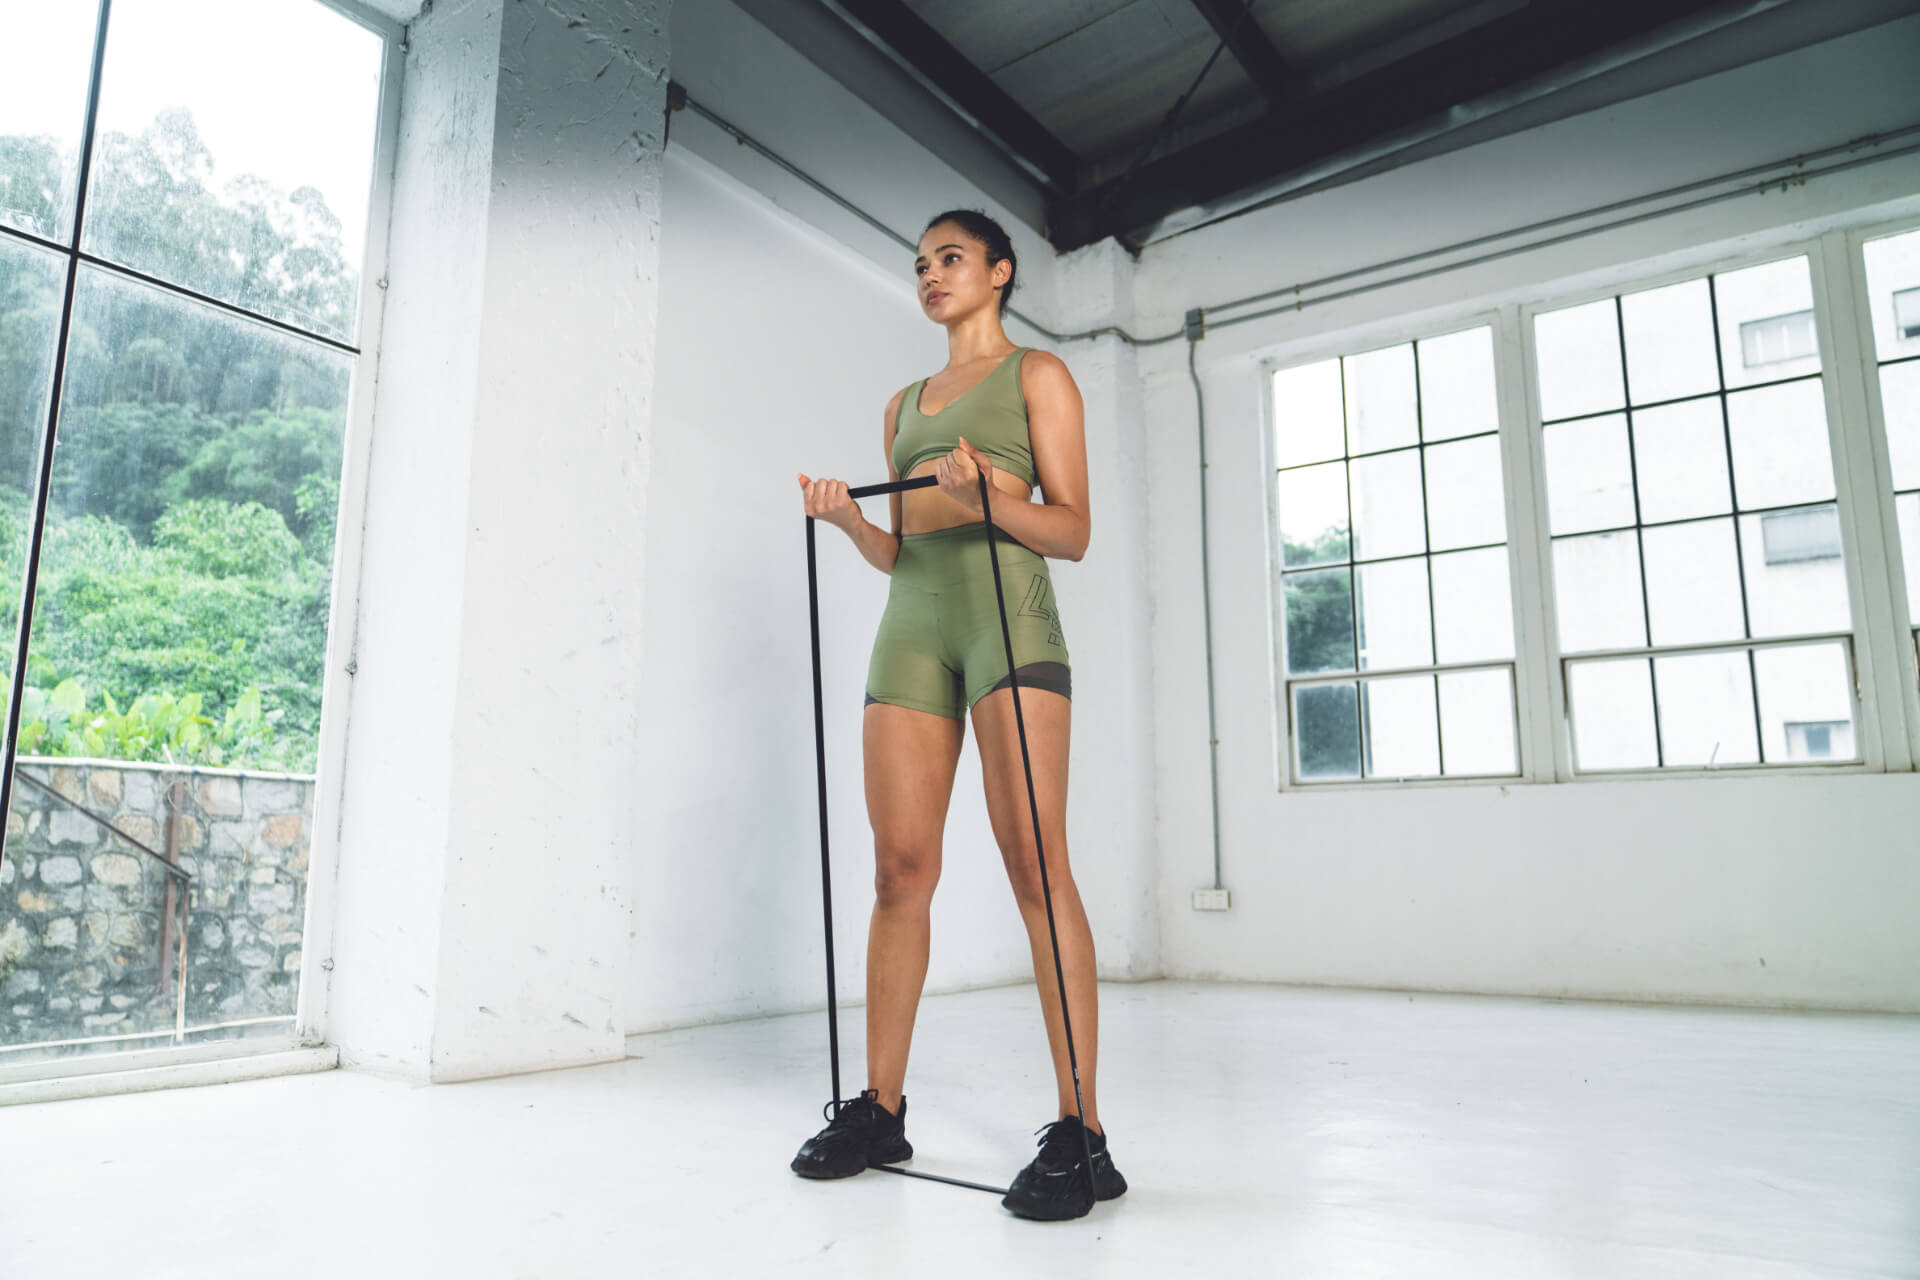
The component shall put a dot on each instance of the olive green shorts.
(939, 646)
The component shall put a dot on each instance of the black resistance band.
(826, 876)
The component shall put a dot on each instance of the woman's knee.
(1022, 859)
(904, 876)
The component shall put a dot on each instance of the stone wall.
(81, 908)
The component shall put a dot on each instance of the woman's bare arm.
(880, 547)
(1059, 525)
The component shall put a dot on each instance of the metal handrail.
(171, 868)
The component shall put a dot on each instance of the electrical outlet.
(1211, 900)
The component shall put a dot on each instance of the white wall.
(786, 325)
(1796, 890)
(780, 347)
(778, 352)
(480, 877)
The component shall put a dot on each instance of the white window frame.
(310, 1026)
(1883, 641)
(1282, 684)
(1897, 637)
(304, 1047)
(1840, 426)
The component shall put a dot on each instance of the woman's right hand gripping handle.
(828, 500)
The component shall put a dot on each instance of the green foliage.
(316, 509)
(221, 540)
(158, 727)
(267, 458)
(153, 206)
(189, 541)
(117, 460)
(31, 190)
(224, 602)
(1320, 639)
(1320, 607)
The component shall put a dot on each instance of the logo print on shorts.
(1036, 606)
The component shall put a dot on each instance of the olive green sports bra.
(991, 414)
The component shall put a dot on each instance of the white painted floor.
(1266, 1131)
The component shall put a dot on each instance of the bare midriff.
(929, 510)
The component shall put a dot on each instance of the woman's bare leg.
(1048, 718)
(910, 757)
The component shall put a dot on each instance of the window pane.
(1472, 606)
(31, 283)
(1393, 603)
(1465, 507)
(1422, 457)
(1313, 514)
(1893, 273)
(1806, 703)
(1381, 410)
(43, 107)
(1589, 475)
(1578, 356)
(1706, 709)
(180, 621)
(1612, 705)
(1778, 340)
(1476, 722)
(1907, 505)
(1669, 342)
(1597, 587)
(1389, 518)
(197, 466)
(1457, 395)
(91, 929)
(1327, 729)
(1309, 423)
(1765, 323)
(242, 172)
(1900, 401)
(1693, 583)
(1780, 454)
(1402, 727)
(1680, 456)
(1796, 575)
(1319, 622)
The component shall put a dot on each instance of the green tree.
(1320, 639)
(32, 184)
(267, 458)
(186, 569)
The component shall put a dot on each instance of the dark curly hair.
(987, 232)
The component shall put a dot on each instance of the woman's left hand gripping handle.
(960, 472)
(828, 500)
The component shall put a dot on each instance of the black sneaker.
(862, 1133)
(1055, 1184)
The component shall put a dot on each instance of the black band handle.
(892, 486)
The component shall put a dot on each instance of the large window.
(1393, 533)
(1690, 496)
(1687, 573)
(1893, 300)
(183, 204)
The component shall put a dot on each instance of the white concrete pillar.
(1105, 609)
(482, 903)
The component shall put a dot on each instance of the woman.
(1012, 415)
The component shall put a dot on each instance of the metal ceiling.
(1138, 118)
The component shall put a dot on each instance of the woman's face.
(952, 273)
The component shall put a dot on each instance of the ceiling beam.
(905, 35)
(1232, 21)
(1519, 46)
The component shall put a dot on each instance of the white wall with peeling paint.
(487, 811)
